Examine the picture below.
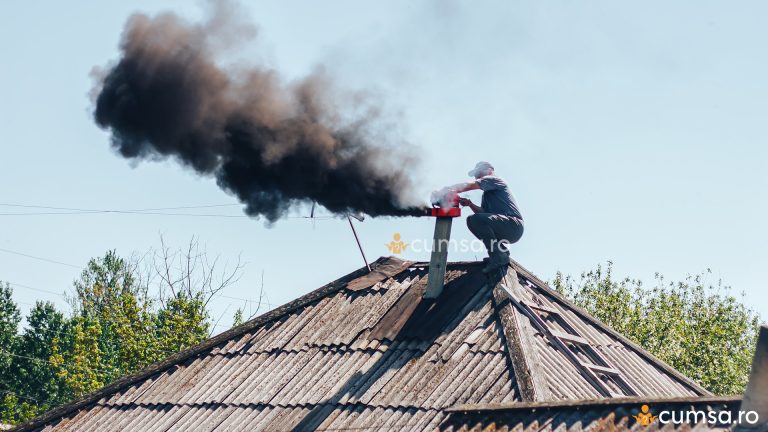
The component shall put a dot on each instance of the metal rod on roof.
(359, 246)
(312, 214)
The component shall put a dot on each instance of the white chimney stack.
(443, 212)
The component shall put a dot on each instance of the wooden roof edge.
(181, 356)
(591, 403)
(604, 327)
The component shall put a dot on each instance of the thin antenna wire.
(359, 246)
(218, 320)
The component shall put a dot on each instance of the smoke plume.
(274, 145)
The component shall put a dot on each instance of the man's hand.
(464, 202)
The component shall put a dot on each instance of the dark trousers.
(494, 229)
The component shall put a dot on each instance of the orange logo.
(396, 246)
(644, 417)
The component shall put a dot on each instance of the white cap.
(481, 166)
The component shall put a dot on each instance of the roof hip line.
(541, 285)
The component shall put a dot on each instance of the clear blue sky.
(628, 132)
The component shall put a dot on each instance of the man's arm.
(466, 202)
(464, 187)
(459, 188)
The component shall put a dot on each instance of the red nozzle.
(445, 212)
(442, 212)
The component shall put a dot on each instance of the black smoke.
(274, 145)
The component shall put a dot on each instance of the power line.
(61, 333)
(121, 212)
(38, 359)
(106, 371)
(158, 214)
(83, 268)
(128, 210)
(213, 326)
(78, 210)
(25, 303)
(41, 259)
(260, 302)
(38, 401)
(156, 211)
(215, 295)
(35, 289)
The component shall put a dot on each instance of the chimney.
(439, 259)
(756, 395)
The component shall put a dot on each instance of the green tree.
(35, 376)
(109, 294)
(15, 409)
(699, 328)
(116, 327)
(182, 323)
(238, 318)
(9, 322)
(81, 365)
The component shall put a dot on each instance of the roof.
(367, 351)
(594, 415)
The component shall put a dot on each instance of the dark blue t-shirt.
(497, 198)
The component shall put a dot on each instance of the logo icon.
(397, 245)
(644, 417)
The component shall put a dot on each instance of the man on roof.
(497, 219)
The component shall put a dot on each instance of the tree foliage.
(700, 328)
(9, 320)
(36, 377)
(238, 318)
(116, 327)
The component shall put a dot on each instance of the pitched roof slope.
(367, 351)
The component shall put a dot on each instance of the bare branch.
(192, 272)
(261, 297)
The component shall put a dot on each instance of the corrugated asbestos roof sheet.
(595, 415)
(365, 352)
